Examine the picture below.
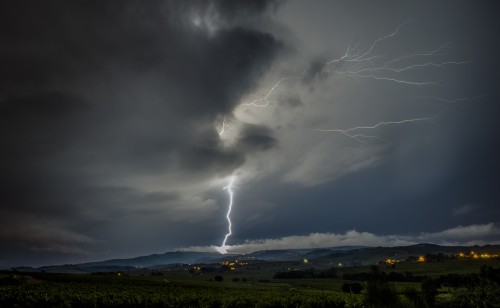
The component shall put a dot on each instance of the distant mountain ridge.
(347, 255)
(176, 257)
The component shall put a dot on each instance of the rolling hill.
(347, 255)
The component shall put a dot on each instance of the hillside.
(325, 257)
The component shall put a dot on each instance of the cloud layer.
(460, 235)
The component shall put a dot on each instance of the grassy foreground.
(52, 290)
(448, 284)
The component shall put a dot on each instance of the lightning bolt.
(363, 56)
(365, 67)
(223, 248)
(263, 102)
(434, 52)
(348, 57)
(351, 132)
(449, 100)
(221, 131)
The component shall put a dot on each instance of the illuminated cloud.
(327, 162)
(461, 235)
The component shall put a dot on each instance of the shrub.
(218, 278)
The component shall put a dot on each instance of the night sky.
(343, 123)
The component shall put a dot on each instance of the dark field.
(472, 283)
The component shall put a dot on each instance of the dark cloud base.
(92, 92)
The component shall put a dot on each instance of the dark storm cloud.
(256, 138)
(93, 91)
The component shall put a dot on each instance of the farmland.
(52, 290)
(255, 286)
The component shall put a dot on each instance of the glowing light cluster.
(475, 255)
(233, 265)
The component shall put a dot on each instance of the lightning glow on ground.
(223, 248)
